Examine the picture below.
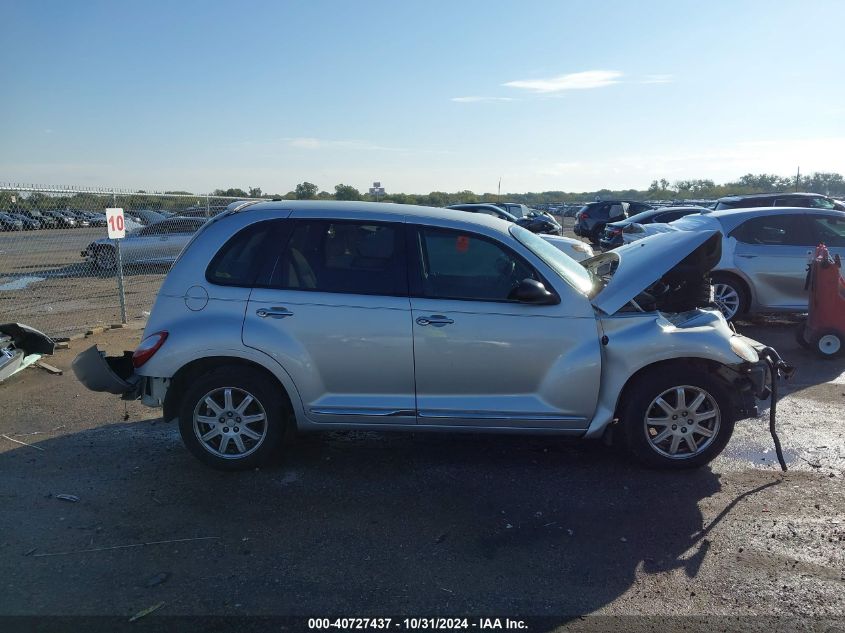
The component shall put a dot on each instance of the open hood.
(629, 270)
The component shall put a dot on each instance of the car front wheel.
(233, 418)
(676, 418)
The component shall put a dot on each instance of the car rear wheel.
(676, 418)
(233, 418)
(104, 258)
(729, 296)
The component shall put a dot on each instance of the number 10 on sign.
(115, 224)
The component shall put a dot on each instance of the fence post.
(207, 207)
(119, 264)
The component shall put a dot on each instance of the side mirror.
(532, 291)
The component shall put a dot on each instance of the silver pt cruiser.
(290, 316)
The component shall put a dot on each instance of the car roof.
(731, 218)
(785, 194)
(368, 210)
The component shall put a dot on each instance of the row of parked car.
(35, 219)
(767, 242)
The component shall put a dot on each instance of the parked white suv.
(290, 315)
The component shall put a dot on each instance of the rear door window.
(345, 257)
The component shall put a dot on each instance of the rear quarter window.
(240, 260)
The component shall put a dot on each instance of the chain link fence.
(60, 273)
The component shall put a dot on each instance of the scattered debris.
(508, 526)
(623, 539)
(71, 498)
(441, 538)
(38, 448)
(62, 345)
(31, 552)
(570, 532)
(446, 590)
(146, 612)
(52, 369)
(158, 579)
(20, 347)
(113, 547)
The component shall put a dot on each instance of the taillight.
(616, 231)
(147, 348)
(584, 216)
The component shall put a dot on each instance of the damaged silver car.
(293, 316)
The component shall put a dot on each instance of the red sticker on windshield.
(462, 244)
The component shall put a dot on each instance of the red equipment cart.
(824, 330)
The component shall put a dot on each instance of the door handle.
(437, 320)
(747, 256)
(274, 312)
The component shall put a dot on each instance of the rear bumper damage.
(116, 374)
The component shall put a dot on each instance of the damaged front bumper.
(116, 374)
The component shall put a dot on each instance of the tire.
(642, 439)
(828, 344)
(730, 295)
(595, 236)
(105, 258)
(265, 435)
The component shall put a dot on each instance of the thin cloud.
(657, 79)
(477, 99)
(585, 80)
(311, 143)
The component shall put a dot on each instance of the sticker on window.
(462, 244)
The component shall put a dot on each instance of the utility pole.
(499, 191)
(798, 178)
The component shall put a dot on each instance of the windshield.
(566, 268)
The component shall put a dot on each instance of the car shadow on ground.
(343, 524)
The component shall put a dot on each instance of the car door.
(484, 360)
(772, 252)
(334, 312)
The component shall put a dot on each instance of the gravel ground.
(373, 524)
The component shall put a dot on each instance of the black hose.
(776, 367)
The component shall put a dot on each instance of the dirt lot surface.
(373, 524)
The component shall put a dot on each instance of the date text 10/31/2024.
(417, 624)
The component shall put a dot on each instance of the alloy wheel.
(682, 422)
(230, 423)
(727, 299)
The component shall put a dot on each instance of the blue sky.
(556, 95)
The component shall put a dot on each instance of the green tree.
(232, 192)
(306, 191)
(346, 192)
(255, 192)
